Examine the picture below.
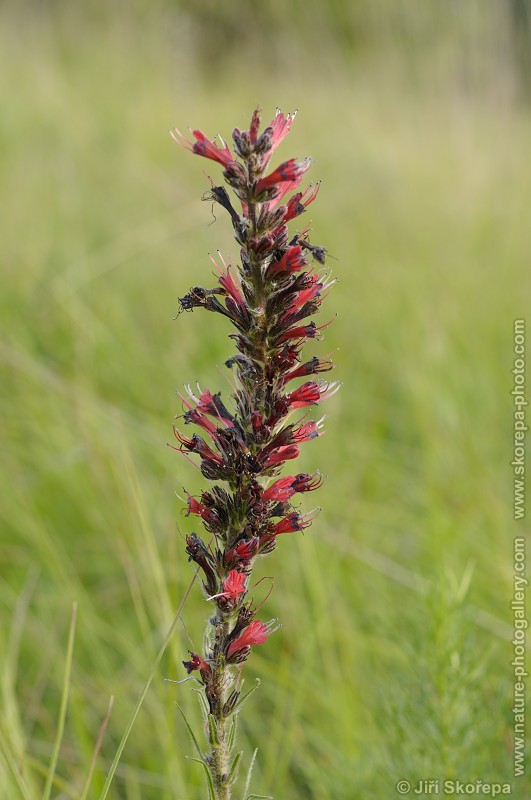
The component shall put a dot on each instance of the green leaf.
(202, 702)
(212, 731)
(233, 774)
(192, 734)
(248, 778)
(211, 792)
(232, 732)
(263, 796)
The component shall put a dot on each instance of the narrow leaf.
(212, 731)
(232, 733)
(203, 703)
(249, 773)
(233, 774)
(192, 734)
(211, 792)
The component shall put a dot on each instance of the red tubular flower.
(281, 454)
(255, 633)
(233, 585)
(242, 553)
(196, 662)
(294, 522)
(197, 445)
(195, 507)
(280, 491)
(203, 146)
(307, 483)
(298, 333)
(306, 395)
(284, 488)
(292, 261)
(310, 430)
(298, 203)
(229, 284)
(280, 128)
(311, 367)
(291, 170)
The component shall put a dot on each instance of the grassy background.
(393, 659)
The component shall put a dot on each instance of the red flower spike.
(267, 297)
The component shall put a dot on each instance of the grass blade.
(63, 707)
(13, 768)
(97, 748)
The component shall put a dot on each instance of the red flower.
(311, 367)
(306, 395)
(229, 284)
(292, 260)
(299, 202)
(310, 430)
(233, 585)
(291, 170)
(294, 522)
(244, 552)
(203, 146)
(255, 633)
(196, 662)
(310, 393)
(280, 127)
(195, 507)
(282, 490)
(281, 454)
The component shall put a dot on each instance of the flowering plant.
(268, 299)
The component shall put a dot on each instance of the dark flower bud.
(232, 699)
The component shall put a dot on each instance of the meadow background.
(393, 661)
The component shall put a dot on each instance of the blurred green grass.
(385, 667)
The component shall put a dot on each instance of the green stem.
(219, 757)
